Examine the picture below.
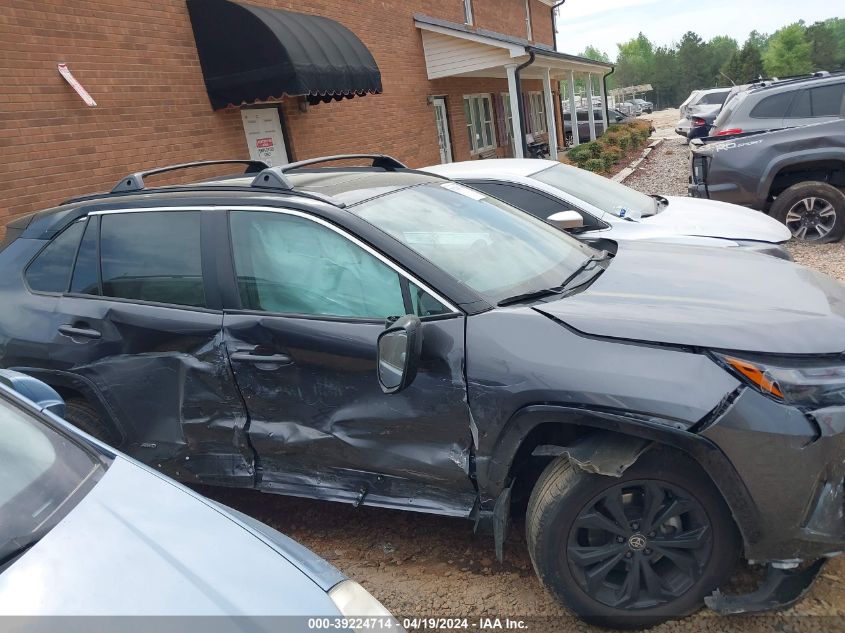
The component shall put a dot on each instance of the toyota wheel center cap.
(637, 542)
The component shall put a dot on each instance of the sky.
(604, 23)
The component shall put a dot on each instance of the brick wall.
(139, 62)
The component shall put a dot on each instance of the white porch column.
(573, 110)
(551, 120)
(591, 113)
(516, 124)
(603, 104)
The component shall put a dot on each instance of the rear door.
(309, 301)
(140, 326)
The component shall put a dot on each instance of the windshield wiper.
(593, 259)
(558, 290)
(22, 548)
(529, 296)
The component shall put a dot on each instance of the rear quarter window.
(50, 270)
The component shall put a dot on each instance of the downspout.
(606, 93)
(520, 103)
(554, 24)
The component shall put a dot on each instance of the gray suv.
(789, 103)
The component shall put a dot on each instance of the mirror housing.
(399, 353)
(566, 220)
(38, 392)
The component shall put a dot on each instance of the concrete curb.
(630, 169)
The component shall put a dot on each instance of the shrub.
(595, 164)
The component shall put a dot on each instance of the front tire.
(633, 551)
(812, 211)
(84, 417)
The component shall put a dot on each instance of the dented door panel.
(321, 426)
(163, 373)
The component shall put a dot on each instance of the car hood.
(140, 544)
(711, 218)
(709, 297)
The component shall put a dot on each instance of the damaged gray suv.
(380, 336)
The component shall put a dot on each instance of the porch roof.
(453, 49)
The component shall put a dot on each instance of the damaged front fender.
(607, 454)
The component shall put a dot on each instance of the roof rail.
(274, 177)
(380, 161)
(135, 182)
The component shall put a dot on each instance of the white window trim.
(485, 125)
(537, 114)
(528, 19)
(468, 12)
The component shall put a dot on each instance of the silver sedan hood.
(709, 297)
(140, 544)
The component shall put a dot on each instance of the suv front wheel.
(633, 551)
(812, 211)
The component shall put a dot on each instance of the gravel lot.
(427, 566)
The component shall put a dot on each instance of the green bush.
(595, 164)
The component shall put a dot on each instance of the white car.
(596, 207)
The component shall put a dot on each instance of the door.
(302, 344)
(441, 120)
(264, 135)
(140, 328)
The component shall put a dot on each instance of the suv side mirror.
(566, 220)
(399, 352)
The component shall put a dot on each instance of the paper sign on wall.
(64, 71)
(264, 136)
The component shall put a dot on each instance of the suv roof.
(789, 82)
(335, 186)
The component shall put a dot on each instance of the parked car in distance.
(645, 106)
(86, 531)
(583, 118)
(381, 336)
(630, 108)
(783, 103)
(796, 175)
(595, 207)
(700, 101)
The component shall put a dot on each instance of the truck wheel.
(84, 417)
(813, 212)
(633, 551)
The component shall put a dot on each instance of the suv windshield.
(493, 248)
(602, 193)
(42, 476)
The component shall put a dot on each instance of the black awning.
(251, 53)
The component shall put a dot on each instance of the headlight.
(812, 383)
(353, 601)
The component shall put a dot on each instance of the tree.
(789, 52)
(720, 49)
(591, 52)
(635, 63)
(746, 65)
(825, 49)
(692, 73)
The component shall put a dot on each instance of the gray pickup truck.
(796, 175)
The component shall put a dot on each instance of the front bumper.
(792, 464)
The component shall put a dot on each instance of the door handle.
(79, 332)
(248, 357)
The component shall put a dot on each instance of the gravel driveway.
(428, 566)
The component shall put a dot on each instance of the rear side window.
(773, 106)
(152, 256)
(714, 98)
(50, 270)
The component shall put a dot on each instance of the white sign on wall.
(264, 135)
